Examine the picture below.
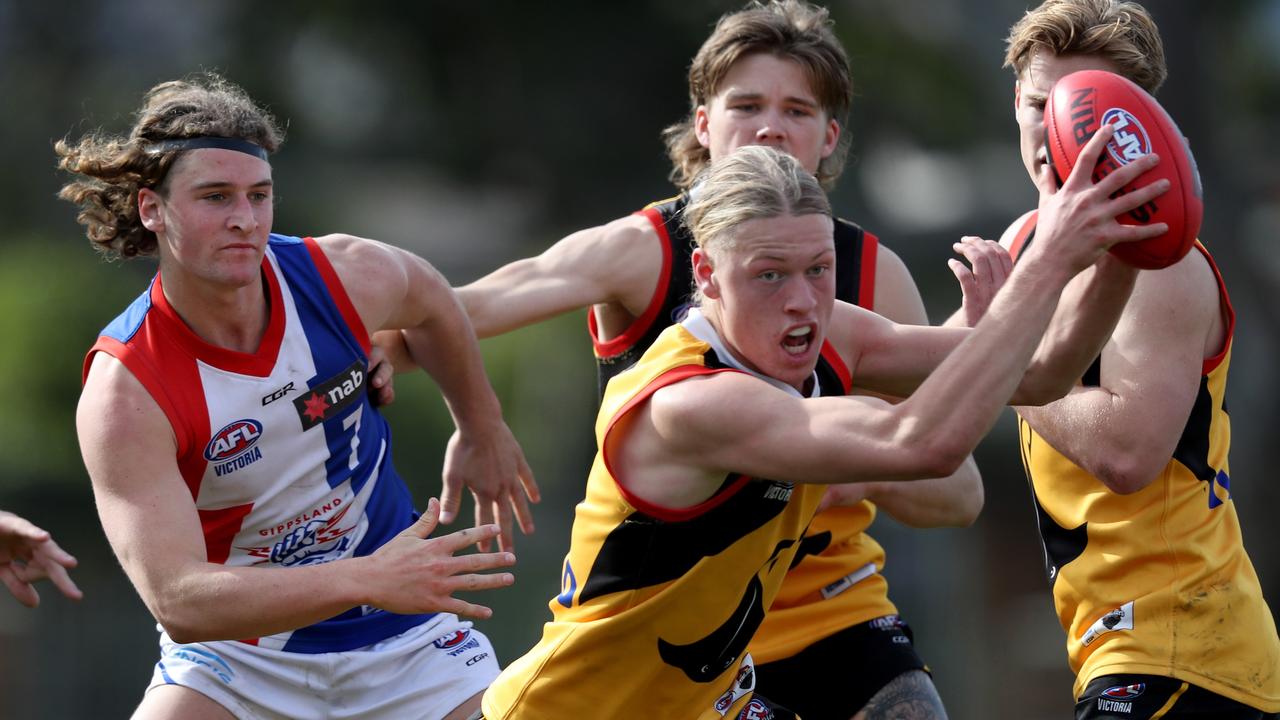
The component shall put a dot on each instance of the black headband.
(219, 143)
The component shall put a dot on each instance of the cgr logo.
(233, 440)
(1130, 141)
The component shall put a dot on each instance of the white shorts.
(424, 672)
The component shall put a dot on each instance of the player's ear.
(1017, 94)
(704, 274)
(700, 126)
(149, 206)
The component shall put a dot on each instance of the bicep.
(738, 424)
(1152, 364)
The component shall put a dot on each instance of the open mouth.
(797, 341)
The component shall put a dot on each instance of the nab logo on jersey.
(331, 397)
(233, 440)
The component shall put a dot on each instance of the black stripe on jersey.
(703, 660)
(1061, 545)
(1193, 447)
(848, 241)
(812, 545)
(644, 551)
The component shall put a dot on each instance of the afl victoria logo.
(233, 440)
(452, 640)
(1130, 141)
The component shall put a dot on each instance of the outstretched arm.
(27, 555)
(618, 263)
(949, 501)
(392, 288)
(152, 524)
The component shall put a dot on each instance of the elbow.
(941, 455)
(1037, 390)
(1124, 476)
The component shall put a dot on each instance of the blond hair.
(1122, 32)
(751, 183)
(789, 30)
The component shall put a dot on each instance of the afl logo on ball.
(1130, 141)
(233, 440)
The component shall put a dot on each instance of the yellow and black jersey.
(657, 605)
(1157, 582)
(836, 581)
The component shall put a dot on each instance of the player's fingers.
(427, 522)
(450, 499)
(479, 562)
(1137, 198)
(524, 515)
(1133, 233)
(527, 481)
(61, 580)
(485, 515)
(490, 581)
(1082, 174)
(461, 608)
(23, 591)
(963, 276)
(16, 525)
(506, 538)
(455, 541)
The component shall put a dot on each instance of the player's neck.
(234, 318)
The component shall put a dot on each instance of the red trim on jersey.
(258, 363)
(220, 528)
(837, 363)
(171, 377)
(1211, 363)
(669, 377)
(1024, 232)
(641, 325)
(867, 285)
(339, 294)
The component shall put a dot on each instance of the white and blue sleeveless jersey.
(286, 459)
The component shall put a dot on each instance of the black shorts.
(836, 676)
(1139, 697)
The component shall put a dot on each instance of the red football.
(1083, 102)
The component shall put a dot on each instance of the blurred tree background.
(477, 133)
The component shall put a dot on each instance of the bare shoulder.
(1183, 296)
(700, 409)
(116, 411)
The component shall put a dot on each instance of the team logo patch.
(232, 441)
(1130, 141)
(1119, 619)
(456, 642)
(1125, 692)
(331, 397)
(755, 710)
(317, 541)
